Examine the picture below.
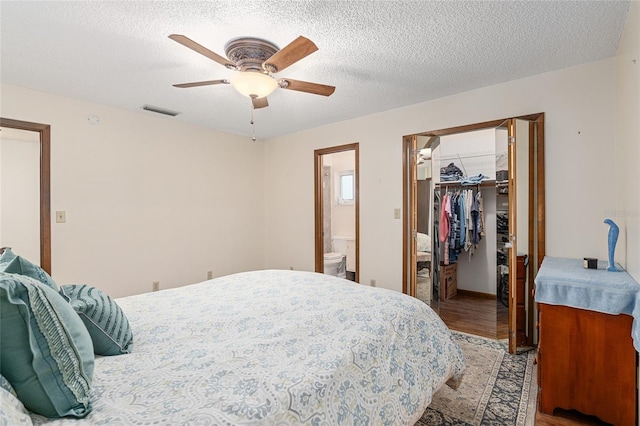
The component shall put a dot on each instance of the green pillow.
(11, 263)
(105, 321)
(6, 257)
(45, 350)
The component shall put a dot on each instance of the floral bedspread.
(274, 347)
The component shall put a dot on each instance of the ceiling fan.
(256, 60)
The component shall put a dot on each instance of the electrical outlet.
(156, 285)
(372, 283)
(209, 275)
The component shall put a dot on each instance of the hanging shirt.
(482, 227)
(462, 219)
(444, 218)
(454, 229)
(475, 215)
(444, 227)
(469, 223)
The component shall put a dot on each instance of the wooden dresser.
(586, 359)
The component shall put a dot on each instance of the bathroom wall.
(326, 205)
(343, 222)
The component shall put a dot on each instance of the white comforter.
(274, 347)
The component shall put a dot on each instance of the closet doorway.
(337, 212)
(499, 165)
(18, 135)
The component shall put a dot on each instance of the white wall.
(626, 210)
(146, 197)
(475, 153)
(343, 217)
(472, 152)
(478, 273)
(579, 103)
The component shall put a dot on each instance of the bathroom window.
(346, 190)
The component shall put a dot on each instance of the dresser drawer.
(448, 281)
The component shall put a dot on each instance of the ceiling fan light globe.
(254, 84)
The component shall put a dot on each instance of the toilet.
(335, 264)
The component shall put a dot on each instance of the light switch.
(61, 216)
(396, 213)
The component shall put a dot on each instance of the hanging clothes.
(475, 217)
(482, 227)
(445, 226)
(454, 229)
(461, 224)
(469, 223)
(462, 218)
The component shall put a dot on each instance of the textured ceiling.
(380, 55)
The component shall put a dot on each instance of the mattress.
(274, 347)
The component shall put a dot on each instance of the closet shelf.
(456, 183)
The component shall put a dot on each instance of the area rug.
(497, 389)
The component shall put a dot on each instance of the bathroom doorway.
(337, 222)
(19, 134)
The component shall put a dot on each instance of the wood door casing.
(513, 226)
(318, 200)
(45, 184)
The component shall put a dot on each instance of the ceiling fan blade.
(259, 102)
(291, 53)
(187, 42)
(201, 83)
(305, 86)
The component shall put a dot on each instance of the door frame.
(318, 200)
(536, 246)
(44, 131)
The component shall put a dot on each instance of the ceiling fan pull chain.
(253, 127)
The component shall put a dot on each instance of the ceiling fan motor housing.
(249, 53)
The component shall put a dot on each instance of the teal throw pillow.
(106, 322)
(45, 350)
(13, 264)
(6, 257)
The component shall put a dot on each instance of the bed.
(271, 347)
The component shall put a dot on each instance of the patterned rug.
(497, 389)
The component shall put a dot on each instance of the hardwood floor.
(473, 315)
(488, 318)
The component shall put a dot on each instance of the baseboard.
(476, 294)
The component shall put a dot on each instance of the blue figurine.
(613, 239)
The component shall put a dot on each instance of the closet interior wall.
(473, 153)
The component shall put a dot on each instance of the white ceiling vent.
(160, 110)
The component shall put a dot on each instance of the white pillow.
(424, 242)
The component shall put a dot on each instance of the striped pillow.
(10, 263)
(106, 322)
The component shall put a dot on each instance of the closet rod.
(457, 156)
